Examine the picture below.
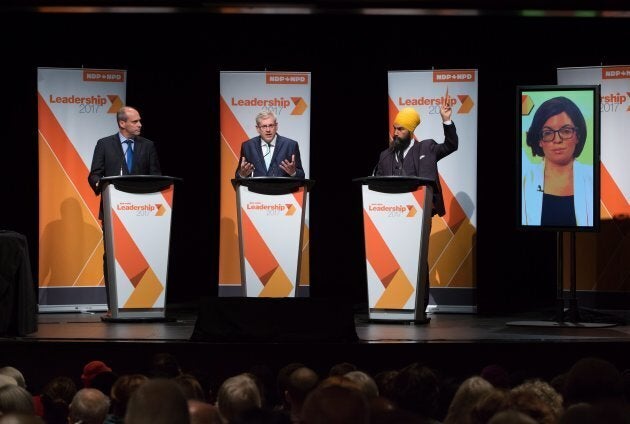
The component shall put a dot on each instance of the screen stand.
(566, 317)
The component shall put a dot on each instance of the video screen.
(558, 158)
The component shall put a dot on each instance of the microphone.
(539, 189)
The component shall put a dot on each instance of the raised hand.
(288, 167)
(445, 108)
(246, 168)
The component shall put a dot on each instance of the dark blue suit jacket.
(109, 160)
(421, 161)
(285, 147)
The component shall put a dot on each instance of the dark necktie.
(267, 154)
(129, 154)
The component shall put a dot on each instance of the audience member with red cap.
(91, 370)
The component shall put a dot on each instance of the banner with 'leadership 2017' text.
(603, 259)
(243, 96)
(452, 240)
(76, 107)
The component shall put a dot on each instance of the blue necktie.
(129, 154)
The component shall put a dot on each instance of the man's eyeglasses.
(267, 127)
(564, 133)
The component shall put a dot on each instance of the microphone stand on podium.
(137, 212)
(397, 222)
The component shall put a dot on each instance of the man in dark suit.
(124, 153)
(269, 154)
(407, 156)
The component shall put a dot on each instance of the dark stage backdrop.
(173, 63)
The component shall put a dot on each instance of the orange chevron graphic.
(116, 102)
(128, 255)
(147, 290)
(397, 293)
(290, 209)
(467, 103)
(232, 135)
(300, 106)
(398, 288)
(412, 211)
(161, 210)
(299, 196)
(167, 193)
(147, 287)
(611, 196)
(262, 260)
(65, 152)
(278, 284)
(527, 105)
(70, 250)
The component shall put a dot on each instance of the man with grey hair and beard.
(409, 157)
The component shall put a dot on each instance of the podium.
(137, 211)
(396, 223)
(270, 212)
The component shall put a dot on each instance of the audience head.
(365, 382)
(16, 374)
(282, 380)
(15, 418)
(56, 398)
(237, 395)
(5, 380)
(510, 416)
(592, 380)
(157, 401)
(165, 365)
(88, 406)
(336, 404)
(385, 382)
(545, 392)
(122, 390)
(496, 375)
(417, 389)
(264, 377)
(202, 412)
(14, 398)
(300, 383)
(585, 413)
(466, 396)
(191, 387)
(91, 370)
(341, 368)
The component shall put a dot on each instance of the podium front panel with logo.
(137, 225)
(396, 214)
(270, 221)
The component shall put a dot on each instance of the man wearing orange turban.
(407, 156)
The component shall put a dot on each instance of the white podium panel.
(396, 229)
(270, 237)
(138, 241)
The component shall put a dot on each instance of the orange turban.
(408, 118)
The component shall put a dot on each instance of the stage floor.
(455, 344)
(443, 327)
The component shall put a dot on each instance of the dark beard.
(400, 144)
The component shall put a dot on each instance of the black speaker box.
(243, 319)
